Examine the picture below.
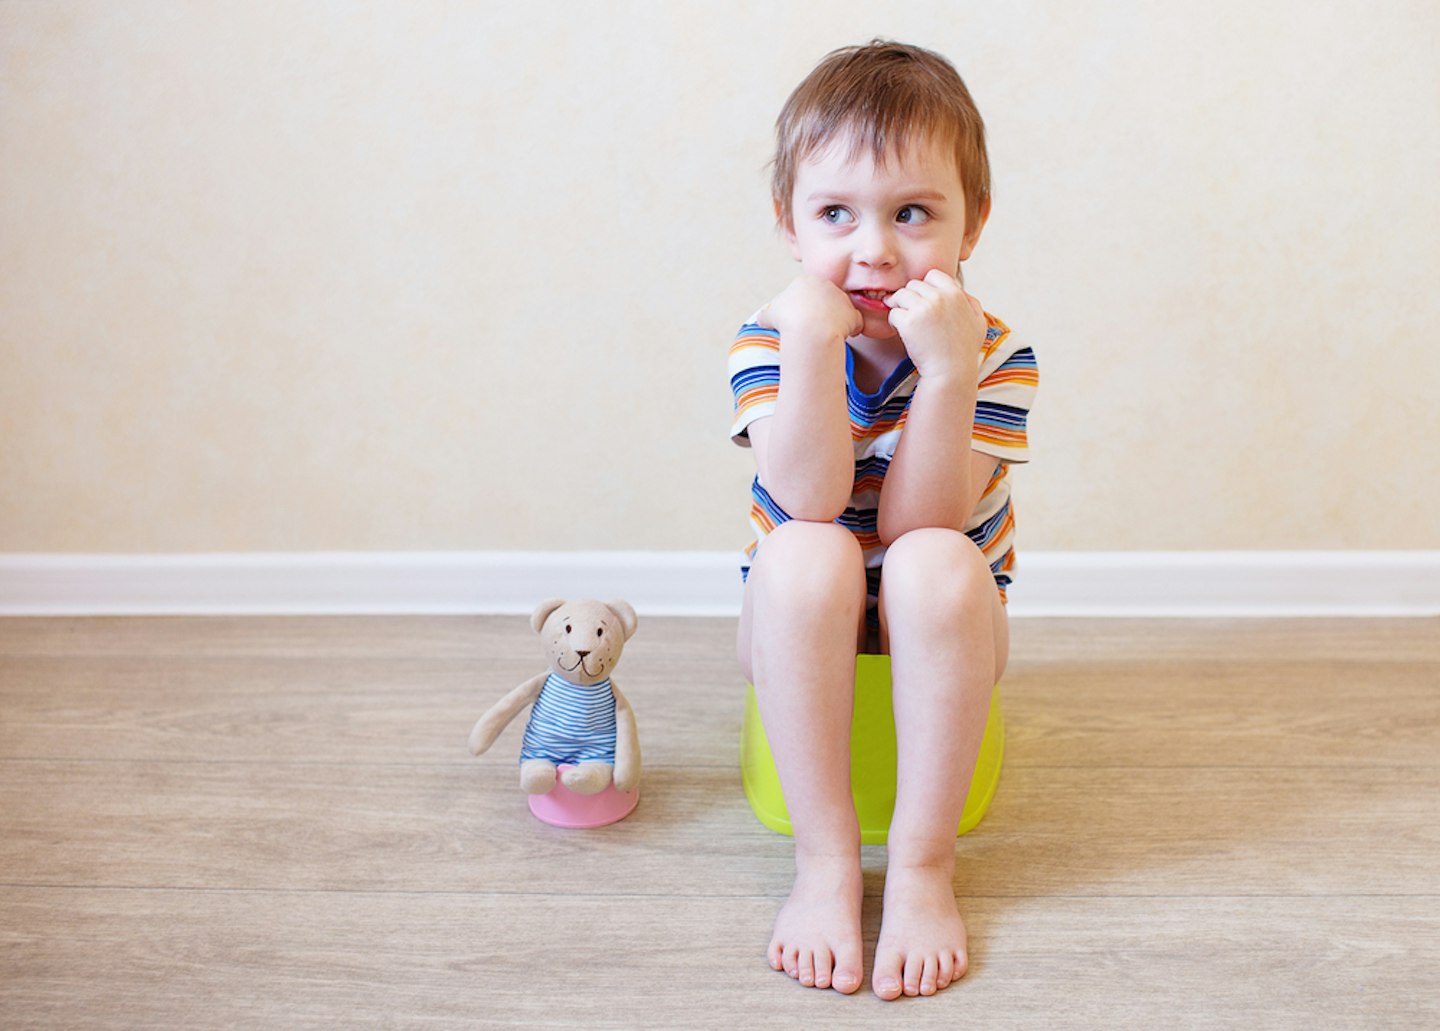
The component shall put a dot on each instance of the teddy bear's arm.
(488, 727)
(627, 743)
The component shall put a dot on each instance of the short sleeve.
(754, 378)
(1009, 378)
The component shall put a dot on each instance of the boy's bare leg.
(803, 603)
(948, 642)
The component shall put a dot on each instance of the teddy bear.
(580, 719)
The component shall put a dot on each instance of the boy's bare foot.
(817, 934)
(922, 938)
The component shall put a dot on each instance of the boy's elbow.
(818, 515)
(814, 503)
(888, 530)
(815, 506)
(890, 525)
(816, 512)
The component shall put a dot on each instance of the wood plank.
(378, 710)
(201, 959)
(410, 705)
(409, 711)
(479, 638)
(1296, 713)
(1178, 831)
(330, 691)
(1173, 641)
(1041, 641)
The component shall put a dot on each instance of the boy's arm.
(803, 451)
(935, 478)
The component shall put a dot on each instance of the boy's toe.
(806, 967)
(914, 964)
(928, 975)
(886, 980)
(824, 964)
(847, 975)
(946, 972)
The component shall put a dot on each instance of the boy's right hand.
(814, 308)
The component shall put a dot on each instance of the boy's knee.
(937, 566)
(816, 557)
(828, 545)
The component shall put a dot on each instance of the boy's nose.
(875, 249)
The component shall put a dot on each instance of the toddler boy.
(883, 406)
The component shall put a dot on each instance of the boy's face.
(870, 230)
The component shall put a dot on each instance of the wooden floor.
(274, 823)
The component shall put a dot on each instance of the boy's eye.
(912, 215)
(835, 215)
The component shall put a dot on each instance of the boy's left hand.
(942, 326)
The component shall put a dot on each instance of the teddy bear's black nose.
(580, 653)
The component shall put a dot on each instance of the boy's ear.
(787, 228)
(972, 233)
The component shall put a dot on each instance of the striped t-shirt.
(571, 723)
(1007, 380)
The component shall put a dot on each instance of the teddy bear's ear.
(542, 612)
(626, 615)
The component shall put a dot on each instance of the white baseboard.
(350, 583)
(696, 583)
(1227, 583)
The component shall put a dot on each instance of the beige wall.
(460, 276)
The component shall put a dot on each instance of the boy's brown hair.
(884, 96)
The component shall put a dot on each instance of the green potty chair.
(872, 759)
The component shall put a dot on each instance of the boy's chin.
(877, 327)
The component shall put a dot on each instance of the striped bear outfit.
(571, 723)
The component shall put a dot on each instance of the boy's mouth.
(870, 300)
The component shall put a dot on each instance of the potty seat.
(872, 759)
(562, 807)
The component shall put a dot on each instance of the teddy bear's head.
(583, 639)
